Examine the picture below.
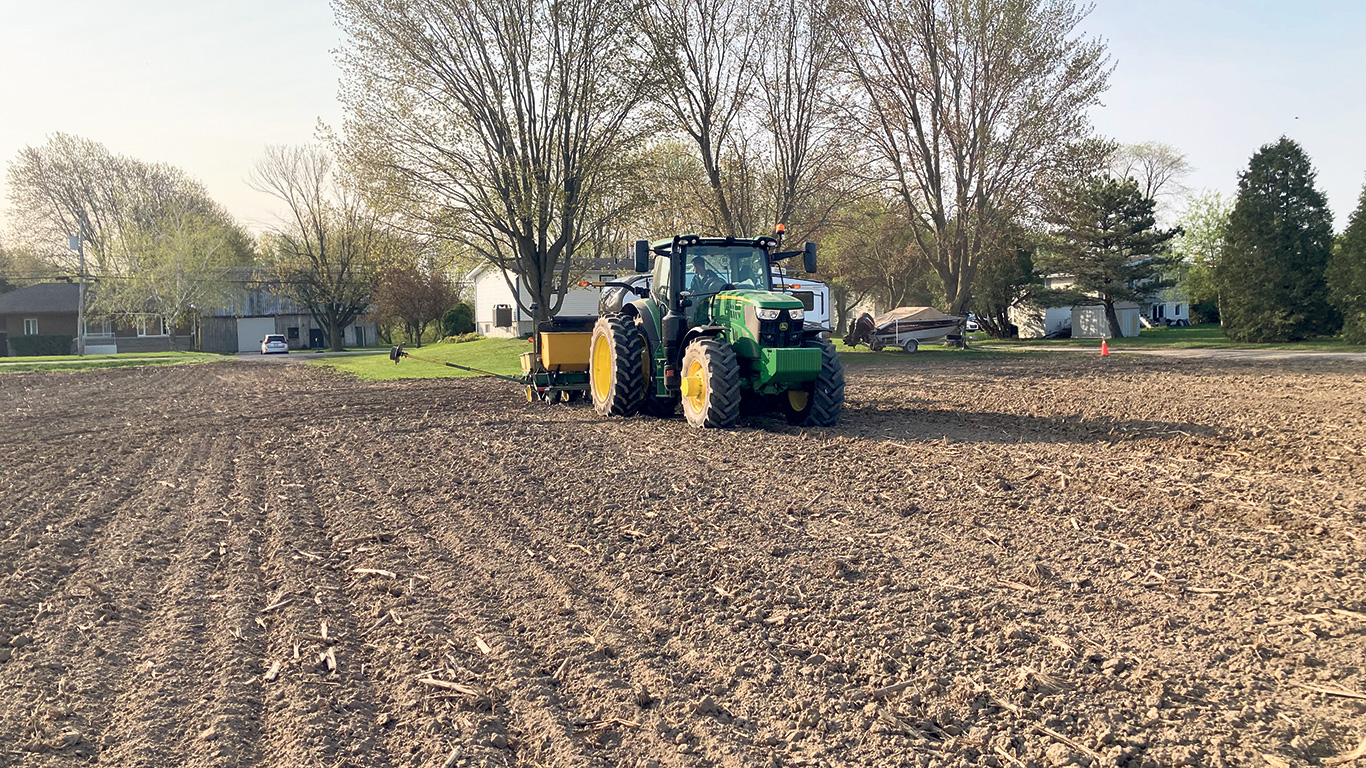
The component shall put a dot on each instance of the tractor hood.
(765, 299)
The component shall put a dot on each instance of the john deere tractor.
(713, 332)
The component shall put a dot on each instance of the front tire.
(615, 377)
(711, 396)
(819, 404)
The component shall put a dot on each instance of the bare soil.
(1027, 561)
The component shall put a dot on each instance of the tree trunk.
(334, 337)
(1112, 318)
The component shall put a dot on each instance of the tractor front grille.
(772, 333)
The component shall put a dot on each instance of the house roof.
(43, 297)
(585, 264)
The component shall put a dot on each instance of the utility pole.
(77, 244)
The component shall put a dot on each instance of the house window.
(30, 326)
(151, 325)
(101, 328)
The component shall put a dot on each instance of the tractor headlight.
(796, 314)
(767, 314)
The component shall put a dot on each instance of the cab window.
(710, 268)
(660, 289)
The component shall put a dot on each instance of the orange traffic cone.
(1104, 349)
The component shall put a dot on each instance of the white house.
(1170, 306)
(497, 312)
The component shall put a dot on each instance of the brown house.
(50, 309)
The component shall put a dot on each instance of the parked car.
(274, 344)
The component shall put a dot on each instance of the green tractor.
(713, 332)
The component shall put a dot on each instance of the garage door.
(251, 330)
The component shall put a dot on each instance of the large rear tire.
(615, 377)
(711, 396)
(820, 403)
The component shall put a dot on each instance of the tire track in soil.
(111, 572)
(639, 665)
(83, 512)
(311, 714)
(509, 669)
(698, 660)
(702, 663)
(544, 721)
(179, 659)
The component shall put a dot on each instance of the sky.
(206, 85)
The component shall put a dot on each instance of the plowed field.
(1027, 561)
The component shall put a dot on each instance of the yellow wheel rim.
(798, 399)
(695, 387)
(601, 374)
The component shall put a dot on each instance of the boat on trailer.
(905, 327)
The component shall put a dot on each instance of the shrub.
(41, 344)
(461, 338)
(458, 320)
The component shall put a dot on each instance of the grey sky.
(206, 85)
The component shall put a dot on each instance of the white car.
(274, 344)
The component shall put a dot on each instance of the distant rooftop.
(43, 297)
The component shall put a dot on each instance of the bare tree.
(799, 99)
(69, 186)
(967, 102)
(327, 247)
(706, 55)
(74, 186)
(1158, 168)
(500, 123)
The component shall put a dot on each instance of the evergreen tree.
(1280, 236)
(1107, 239)
(1347, 276)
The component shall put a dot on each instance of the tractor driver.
(704, 280)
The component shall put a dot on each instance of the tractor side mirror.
(642, 256)
(809, 258)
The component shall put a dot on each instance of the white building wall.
(581, 301)
(1088, 322)
(1036, 324)
(490, 290)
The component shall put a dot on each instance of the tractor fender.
(702, 332)
(637, 311)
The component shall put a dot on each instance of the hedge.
(41, 344)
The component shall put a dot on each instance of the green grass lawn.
(92, 358)
(1188, 337)
(108, 362)
(496, 355)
